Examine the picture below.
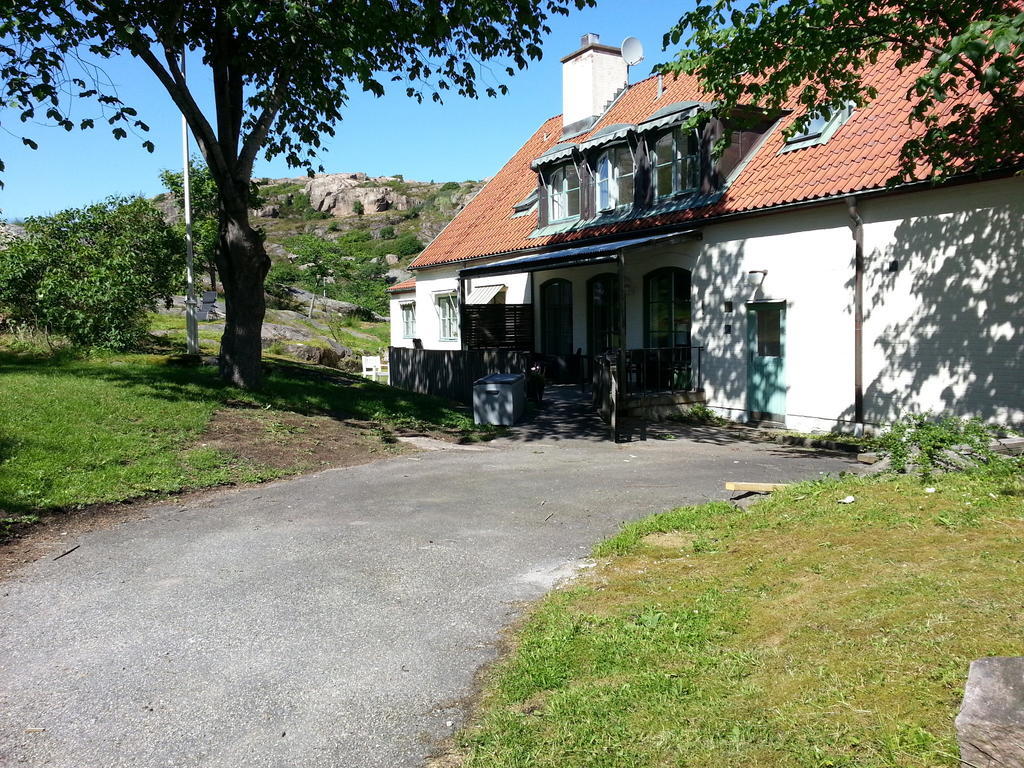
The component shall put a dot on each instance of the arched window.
(556, 317)
(602, 313)
(676, 163)
(614, 186)
(667, 308)
(564, 193)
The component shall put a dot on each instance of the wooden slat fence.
(450, 373)
(498, 326)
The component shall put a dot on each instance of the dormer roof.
(862, 155)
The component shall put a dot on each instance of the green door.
(766, 366)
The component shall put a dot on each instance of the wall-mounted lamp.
(755, 277)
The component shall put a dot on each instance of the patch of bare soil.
(670, 540)
(293, 442)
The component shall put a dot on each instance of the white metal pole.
(191, 323)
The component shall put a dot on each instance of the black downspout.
(857, 227)
(460, 296)
(620, 389)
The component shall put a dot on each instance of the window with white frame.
(814, 128)
(820, 127)
(676, 163)
(564, 193)
(408, 320)
(614, 186)
(448, 316)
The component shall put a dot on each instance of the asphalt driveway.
(336, 619)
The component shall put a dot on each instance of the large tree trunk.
(243, 264)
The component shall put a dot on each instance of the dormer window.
(676, 163)
(564, 193)
(813, 129)
(615, 179)
(819, 129)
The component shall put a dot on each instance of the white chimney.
(591, 78)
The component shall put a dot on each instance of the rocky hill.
(331, 205)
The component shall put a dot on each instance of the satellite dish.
(632, 51)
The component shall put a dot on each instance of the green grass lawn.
(76, 430)
(800, 632)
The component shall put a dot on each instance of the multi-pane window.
(821, 122)
(603, 313)
(676, 163)
(408, 320)
(667, 307)
(615, 179)
(818, 122)
(564, 193)
(556, 317)
(448, 317)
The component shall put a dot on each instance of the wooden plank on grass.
(754, 487)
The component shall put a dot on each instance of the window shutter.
(643, 193)
(710, 178)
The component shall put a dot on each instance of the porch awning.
(484, 294)
(573, 256)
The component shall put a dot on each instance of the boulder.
(990, 726)
(338, 193)
(168, 208)
(279, 251)
(328, 307)
(309, 353)
(391, 259)
(274, 332)
(396, 275)
(269, 212)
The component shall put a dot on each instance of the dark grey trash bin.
(499, 398)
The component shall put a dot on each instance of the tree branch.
(174, 84)
(205, 137)
(261, 127)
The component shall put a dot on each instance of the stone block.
(990, 726)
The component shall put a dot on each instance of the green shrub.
(357, 208)
(923, 443)
(356, 236)
(387, 233)
(449, 186)
(698, 413)
(283, 274)
(405, 245)
(92, 274)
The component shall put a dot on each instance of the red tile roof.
(405, 285)
(863, 154)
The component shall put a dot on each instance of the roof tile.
(405, 285)
(863, 154)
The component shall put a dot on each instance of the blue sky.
(461, 139)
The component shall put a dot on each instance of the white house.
(783, 280)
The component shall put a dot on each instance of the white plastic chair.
(373, 368)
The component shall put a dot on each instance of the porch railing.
(663, 369)
(643, 372)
